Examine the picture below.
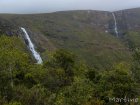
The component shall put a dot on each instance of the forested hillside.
(62, 79)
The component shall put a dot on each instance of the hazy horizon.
(47, 6)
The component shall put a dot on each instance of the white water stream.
(31, 47)
(115, 25)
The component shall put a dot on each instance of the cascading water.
(31, 47)
(115, 25)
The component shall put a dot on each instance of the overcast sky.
(44, 6)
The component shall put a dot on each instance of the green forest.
(64, 79)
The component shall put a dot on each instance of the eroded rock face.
(8, 28)
(128, 20)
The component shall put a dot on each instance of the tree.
(12, 60)
(37, 95)
(14, 103)
(79, 93)
(136, 65)
(117, 83)
(60, 69)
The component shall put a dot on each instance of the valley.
(91, 35)
(80, 57)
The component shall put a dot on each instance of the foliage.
(60, 69)
(78, 93)
(14, 103)
(61, 80)
(117, 82)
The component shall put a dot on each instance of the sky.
(45, 6)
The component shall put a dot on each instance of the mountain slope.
(89, 34)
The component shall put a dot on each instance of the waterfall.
(31, 47)
(115, 25)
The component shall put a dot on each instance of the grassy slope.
(83, 32)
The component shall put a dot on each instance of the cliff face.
(128, 20)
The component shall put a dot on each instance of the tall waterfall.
(31, 47)
(115, 25)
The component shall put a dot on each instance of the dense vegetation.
(63, 79)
